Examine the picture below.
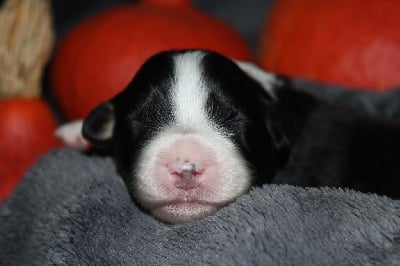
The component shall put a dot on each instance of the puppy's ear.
(98, 127)
(275, 122)
(267, 80)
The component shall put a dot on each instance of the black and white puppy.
(195, 130)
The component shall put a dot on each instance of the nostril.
(178, 167)
(186, 173)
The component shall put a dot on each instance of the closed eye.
(222, 113)
(229, 116)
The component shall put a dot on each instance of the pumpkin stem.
(26, 39)
(171, 3)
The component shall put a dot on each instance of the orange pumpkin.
(352, 43)
(99, 57)
(27, 124)
(26, 131)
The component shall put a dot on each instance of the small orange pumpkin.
(27, 124)
(26, 131)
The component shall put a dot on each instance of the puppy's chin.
(183, 212)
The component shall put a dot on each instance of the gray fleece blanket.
(72, 208)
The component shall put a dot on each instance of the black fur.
(293, 138)
(337, 146)
(245, 113)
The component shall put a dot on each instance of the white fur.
(267, 80)
(189, 94)
(71, 134)
(191, 121)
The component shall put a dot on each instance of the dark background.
(246, 17)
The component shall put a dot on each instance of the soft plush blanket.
(72, 208)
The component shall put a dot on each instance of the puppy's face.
(190, 133)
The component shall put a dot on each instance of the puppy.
(195, 130)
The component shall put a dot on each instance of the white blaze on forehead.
(231, 175)
(189, 95)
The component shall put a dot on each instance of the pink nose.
(187, 174)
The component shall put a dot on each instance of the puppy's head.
(190, 133)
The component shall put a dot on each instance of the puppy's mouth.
(184, 210)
